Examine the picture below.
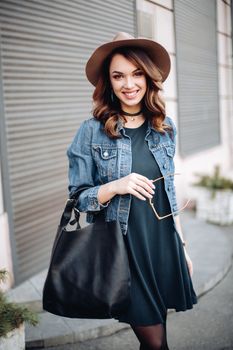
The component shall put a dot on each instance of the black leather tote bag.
(88, 275)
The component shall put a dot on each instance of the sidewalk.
(209, 248)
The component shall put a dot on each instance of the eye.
(117, 76)
(139, 73)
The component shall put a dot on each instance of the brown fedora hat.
(155, 51)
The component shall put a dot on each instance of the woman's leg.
(165, 329)
(152, 337)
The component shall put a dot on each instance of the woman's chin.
(130, 103)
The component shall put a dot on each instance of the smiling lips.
(131, 95)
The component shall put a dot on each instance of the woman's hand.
(189, 262)
(138, 185)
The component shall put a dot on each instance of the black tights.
(152, 337)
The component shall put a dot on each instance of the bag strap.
(70, 207)
(67, 213)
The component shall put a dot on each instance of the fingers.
(141, 187)
(145, 186)
(137, 194)
(145, 180)
(138, 185)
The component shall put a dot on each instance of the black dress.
(159, 272)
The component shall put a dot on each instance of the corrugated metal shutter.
(197, 74)
(44, 47)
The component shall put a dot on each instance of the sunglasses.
(159, 217)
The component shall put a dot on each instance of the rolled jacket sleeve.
(82, 171)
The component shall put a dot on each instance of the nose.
(129, 83)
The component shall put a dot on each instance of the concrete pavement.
(208, 247)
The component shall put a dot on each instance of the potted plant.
(12, 318)
(214, 201)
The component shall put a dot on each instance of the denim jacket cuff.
(92, 203)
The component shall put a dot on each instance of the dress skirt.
(160, 278)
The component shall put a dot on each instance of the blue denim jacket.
(96, 159)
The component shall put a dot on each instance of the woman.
(115, 158)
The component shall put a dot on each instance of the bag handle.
(70, 207)
(67, 213)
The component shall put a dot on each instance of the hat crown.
(155, 51)
(122, 36)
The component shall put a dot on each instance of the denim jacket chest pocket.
(168, 154)
(164, 153)
(105, 157)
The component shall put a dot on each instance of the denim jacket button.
(105, 153)
(165, 166)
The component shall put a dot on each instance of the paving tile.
(84, 328)
(24, 293)
(51, 329)
(38, 280)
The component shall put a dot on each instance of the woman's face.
(128, 83)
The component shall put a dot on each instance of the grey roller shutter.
(197, 74)
(44, 46)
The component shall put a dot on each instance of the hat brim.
(157, 53)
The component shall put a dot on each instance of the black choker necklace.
(131, 114)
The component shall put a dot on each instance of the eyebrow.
(115, 71)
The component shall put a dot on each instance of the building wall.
(225, 72)
(197, 75)
(161, 13)
(221, 154)
(44, 48)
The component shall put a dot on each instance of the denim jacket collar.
(120, 127)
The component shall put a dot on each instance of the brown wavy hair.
(108, 111)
